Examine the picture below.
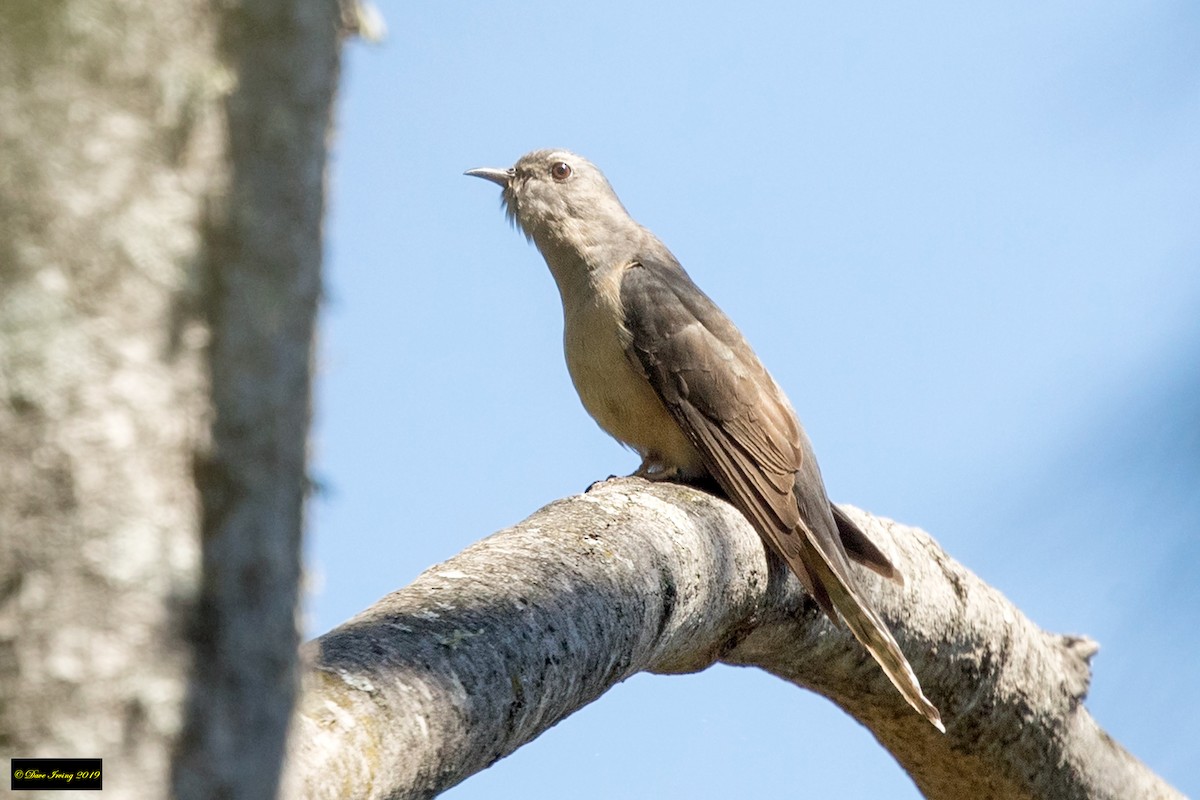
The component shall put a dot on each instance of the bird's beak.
(500, 176)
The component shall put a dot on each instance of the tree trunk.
(161, 184)
(483, 653)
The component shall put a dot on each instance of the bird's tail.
(862, 549)
(837, 590)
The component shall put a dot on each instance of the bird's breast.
(614, 392)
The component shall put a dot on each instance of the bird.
(664, 371)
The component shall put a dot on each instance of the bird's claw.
(594, 484)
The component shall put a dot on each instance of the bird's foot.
(654, 472)
(594, 484)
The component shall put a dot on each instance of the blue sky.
(964, 239)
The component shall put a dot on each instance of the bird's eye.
(560, 171)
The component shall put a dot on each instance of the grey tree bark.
(484, 652)
(161, 185)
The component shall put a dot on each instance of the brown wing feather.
(737, 418)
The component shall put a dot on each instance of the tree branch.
(161, 197)
(484, 652)
(261, 281)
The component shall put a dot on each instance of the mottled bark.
(158, 275)
(481, 654)
(262, 281)
(109, 141)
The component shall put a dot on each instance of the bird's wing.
(735, 415)
(717, 391)
(730, 408)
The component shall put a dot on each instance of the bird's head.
(556, 196)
